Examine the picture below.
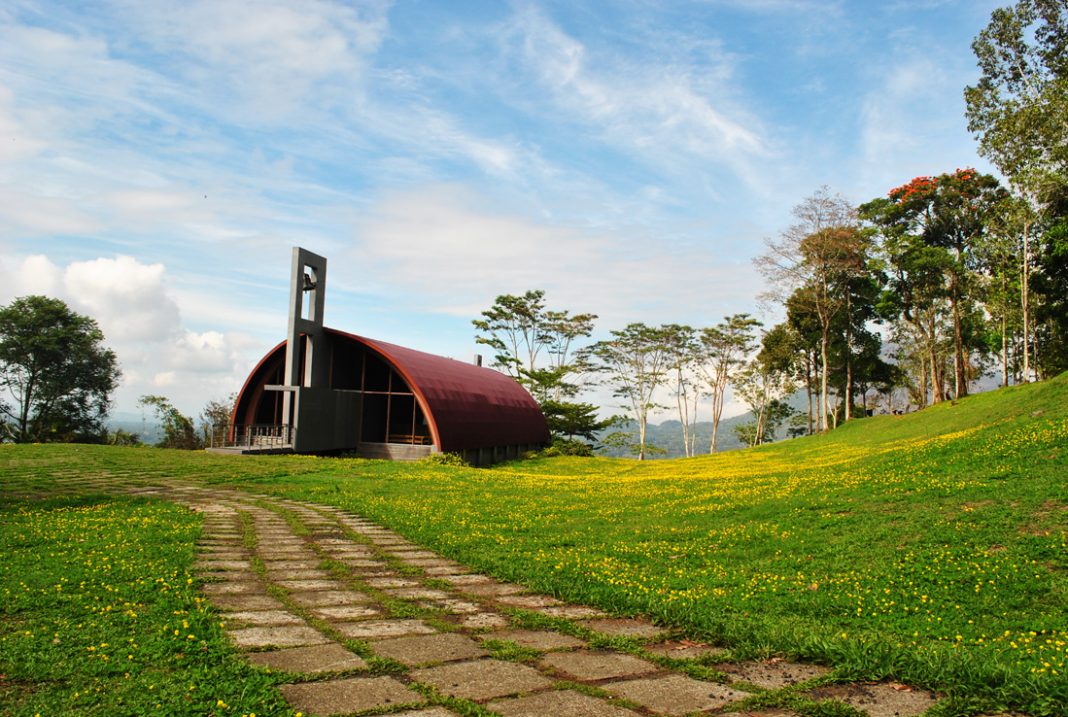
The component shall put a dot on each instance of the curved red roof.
(470, 406)
(467, 406)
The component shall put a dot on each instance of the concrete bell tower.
(317, 417)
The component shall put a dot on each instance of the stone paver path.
(359, 619)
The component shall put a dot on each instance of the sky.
(159, 160)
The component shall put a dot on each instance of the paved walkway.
(365, 622)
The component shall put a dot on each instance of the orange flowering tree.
(931, 227)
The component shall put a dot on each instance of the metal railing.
(252, 436)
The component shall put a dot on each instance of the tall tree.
(725, 347)
(636, 360)
(944, 218)
(1051, 281)
(512, 327)
(537, 347)
(55, 369)
(822, 249)
(684, 381)
(1018, 107)
(1017, 110)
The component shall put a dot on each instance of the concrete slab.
(219, 554)
(389, 583)
(441, 571)
(772, 674)
(528, 601)
(307, 585)
(234, 588)
(324, 598)
(425, 649)
(291, 636)
(245, 602)
(572, 612)
(559, 703)
(494, 588)
(417, 593)
(291, 575)
(346, 612)
(589, 666)
(467, 579)
(431, 712)
(371, 629)
(263, 617)
(461, 607)
(675, 695)
(880, 699)
(485, 621)
(241, 576)
(625, 627)
(684, 650)
(536, 639)
(483, 679)
(330, 657)
(291, 564)
(352, 695)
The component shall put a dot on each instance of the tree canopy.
(56, 372)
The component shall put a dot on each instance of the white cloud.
(142, 322)
(666, 111)
(440, 249)
(265, 60)
(129, 299)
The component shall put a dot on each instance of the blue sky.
(158, 160)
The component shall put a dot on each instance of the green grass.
(99, 615)
(929, 548)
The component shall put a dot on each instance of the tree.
(1051, 281)
(636, 360)
(725, 347)
(1018, 108)
(56, 371)
(1017, 111)
(573, 420)
(520, 330)
(684, 381)
(536, 346)
(821, 250)
(941, 220)
(512, 327)
(763, 387)
(215, 419)
(178, 430)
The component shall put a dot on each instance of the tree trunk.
(960, 381)
(1004, 350)
(808, 389)
(641, 437)
(1025, 303)
(823, 380)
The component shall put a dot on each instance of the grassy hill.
(930, 548)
